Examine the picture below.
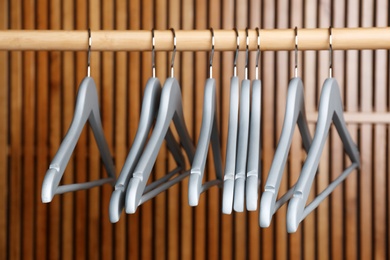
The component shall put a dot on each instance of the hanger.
(295, 115)
(243, 137)
(170, 108)
(330, 110)
(231, 147)
(208, 132)
(86, 109)
(149, 111)
(253, 165)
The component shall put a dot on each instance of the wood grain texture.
(38, 92)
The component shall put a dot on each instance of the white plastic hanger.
(149, 111)
(231, 147)
(170, 108)
(87, 109)
(330, 110)
(295, 114)
(253, 176)
(209, 130)
(243, 137)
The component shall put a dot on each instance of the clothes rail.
(195, 40)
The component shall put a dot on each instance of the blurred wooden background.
(37, 96)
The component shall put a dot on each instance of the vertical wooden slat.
(309, 79)
(253, 244)
(201, 74)
(161, 230)
(281, 85)
(188, 91)
(379, 170)
(295, 164)
(4, 130)
(366, 140)
(69, 93)
(121, 89)
(351, 105)
(54, 128)
(29, 138)
(15, 184)
(336, 157)
(268, 115)
(94, 166)
(133, 97)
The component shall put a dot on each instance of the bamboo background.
(37, 97)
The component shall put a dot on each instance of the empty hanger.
(231, 147)
(150, 103)
(330, 110)
(170, 108)
(243, 136)
(295, 114)
(208, 132)
(253, 176)
(86, 109)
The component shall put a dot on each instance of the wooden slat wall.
(37, 95)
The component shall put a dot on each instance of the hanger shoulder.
(253, 167)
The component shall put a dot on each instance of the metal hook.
(174, 51)
(153, 55)
(236, 55)
(212, 52)
(246, 53)
(258, 52)
(296, 52)
(89, 52)
(330, 52)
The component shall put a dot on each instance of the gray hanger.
(295, 114)
(170, 108)
(330, 110)
(149, 111)
(209, 130)
(243, 137)
(87, 109)
(253, 168)
(231, 148)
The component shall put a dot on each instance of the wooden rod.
(195, 40)
(357, 117)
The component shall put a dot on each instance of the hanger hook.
(174, 51)
(153, 55)
(296, 52)
(258, 52)
(236, 55)
(330, 52)
(212, 52)
(246, 53)
(89, 52)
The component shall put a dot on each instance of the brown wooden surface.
(37, 97)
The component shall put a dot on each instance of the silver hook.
(246, 53)
(89, 52)
(212, 52)
(296, 52)
(236, 55)
(258, 52)
(153, 55)
(330, 52)
(174, 51)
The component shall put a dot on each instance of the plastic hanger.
(243, 137)
(86, 109)
(170, 108)
(253, 164)
(231, 148)
(330, 110)
(208, 132)
(295, 114)
(149, 111)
